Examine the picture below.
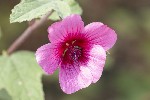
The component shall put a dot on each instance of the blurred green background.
(127, 71)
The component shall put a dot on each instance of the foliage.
(4, 95)
(74, 6)
(27, 10)
(21, 76)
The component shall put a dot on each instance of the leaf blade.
(74, 6)
(21, 76)
(27, 10)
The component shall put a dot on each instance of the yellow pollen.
(67, 44)
(64, 52)
(73, 41)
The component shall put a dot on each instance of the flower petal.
(100, 34)
(72, 79)
(75, 77)
(71, 25)
(47, 58)
(96, 62)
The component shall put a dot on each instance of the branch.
(27, 33)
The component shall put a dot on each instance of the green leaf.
(4, 95)
(28, 0)
(21, 76)
(28, 10)
(74, 6)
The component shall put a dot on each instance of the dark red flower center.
(72, 52)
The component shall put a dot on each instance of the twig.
(27, 33)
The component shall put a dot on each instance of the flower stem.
(21, 39)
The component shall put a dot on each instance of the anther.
(67, 44)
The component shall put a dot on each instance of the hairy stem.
(21, 39)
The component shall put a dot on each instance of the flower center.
(72, 52)
(75, 52)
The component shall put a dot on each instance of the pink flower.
(79, 52)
